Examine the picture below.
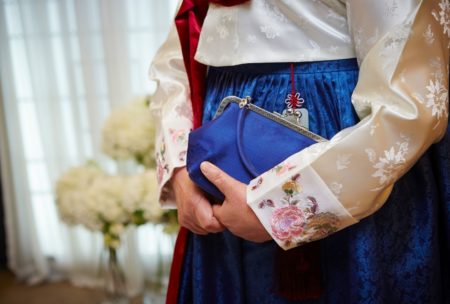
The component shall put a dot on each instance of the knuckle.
(202, 223)
(181, 220)
(208, 226)
(195, 208)
(218, 179)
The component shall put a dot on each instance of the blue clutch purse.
(244, 140)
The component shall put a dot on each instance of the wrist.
(177, 174)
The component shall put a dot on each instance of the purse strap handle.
(294, 102)
(239, 138)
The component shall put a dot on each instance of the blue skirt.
(400, 254)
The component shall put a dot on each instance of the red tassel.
(297, 272)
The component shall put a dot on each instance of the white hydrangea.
(104, 198)
(88, 196)
(78, 178)
(141, 194)
(71, 196)
(153, 210)
(128, 133)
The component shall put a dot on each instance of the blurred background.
(65, 66)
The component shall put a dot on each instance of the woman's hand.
(194, 211)
(234, 213)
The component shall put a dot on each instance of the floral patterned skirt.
(400, 254)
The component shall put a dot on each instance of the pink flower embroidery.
(258, 183)
(159, 173)
(178, 136)
(161, 168)
(182, 155)
(283, 168)
(287, 222)
(268, 203)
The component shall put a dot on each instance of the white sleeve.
(172, 111)
(402, 100)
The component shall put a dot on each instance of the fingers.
(199, 218)
(186, 221)
(221, 213)
(205, 218)
(194, 210)
(218, 211)
(196, 230)
(219, 178)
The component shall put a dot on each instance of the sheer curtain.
(64, 65)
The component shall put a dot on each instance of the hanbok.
(374, 79)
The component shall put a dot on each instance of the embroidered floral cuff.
(296, 206)
(169, 157)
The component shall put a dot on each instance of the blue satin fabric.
(232, 142)
(400, 254)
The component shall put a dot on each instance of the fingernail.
(206, 167)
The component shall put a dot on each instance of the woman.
(381, 124)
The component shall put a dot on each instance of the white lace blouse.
(401, 98)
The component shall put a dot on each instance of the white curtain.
(64, 64)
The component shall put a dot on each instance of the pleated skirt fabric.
(400, 254)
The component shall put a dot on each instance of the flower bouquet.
(88, 196)
(128, 133)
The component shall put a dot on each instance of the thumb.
(219, 178)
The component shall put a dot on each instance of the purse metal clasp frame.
(291, 120)
(245, 102)
(297, 116)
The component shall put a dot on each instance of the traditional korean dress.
(373, 76)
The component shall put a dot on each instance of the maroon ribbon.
(298, 270)
(189, 21)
